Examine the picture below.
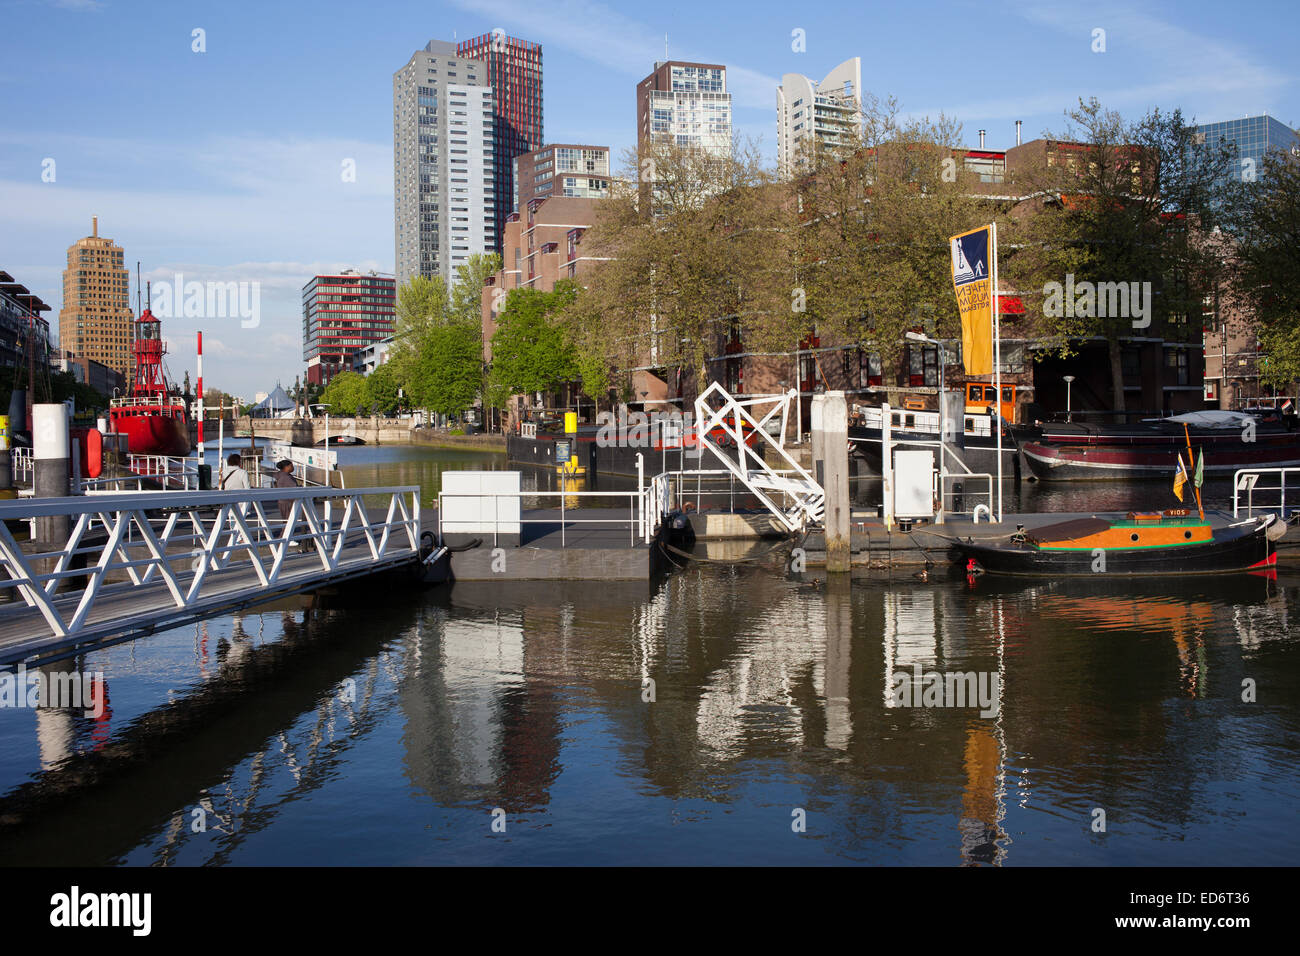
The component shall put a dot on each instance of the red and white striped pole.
(200, 396)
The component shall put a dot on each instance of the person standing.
(233, 476)
(284, 479)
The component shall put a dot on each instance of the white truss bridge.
(792, 495)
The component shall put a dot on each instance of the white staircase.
(803, 500)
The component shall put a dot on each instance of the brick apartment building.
(542, 246)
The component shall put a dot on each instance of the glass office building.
(1252, 137)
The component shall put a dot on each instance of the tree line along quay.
(702, 267)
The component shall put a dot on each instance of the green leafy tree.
(1120, 202)
(381, 389)
(346, 393)
(422, 305)
(592, 367)
(689, 240)
(447, 373)
(871, 227)
(530, 349)
(467, 291)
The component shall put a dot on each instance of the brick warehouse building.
(341, 315)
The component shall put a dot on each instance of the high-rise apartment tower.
(444, 163)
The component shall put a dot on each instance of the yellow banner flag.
(973, 284)
(1180, 478)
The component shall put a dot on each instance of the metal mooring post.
(50, 475)
(835, 451)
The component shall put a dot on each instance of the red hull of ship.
(153, 434)
(1081, 463)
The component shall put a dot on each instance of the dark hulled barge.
(1170, 544)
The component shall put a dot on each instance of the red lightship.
(154, 420)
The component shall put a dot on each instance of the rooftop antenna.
(665, 46)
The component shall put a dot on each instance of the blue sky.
(225, 165)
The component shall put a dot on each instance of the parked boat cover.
(1066, 531)
(1212, 418)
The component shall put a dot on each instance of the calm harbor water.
(697, 719)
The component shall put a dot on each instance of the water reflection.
(682, 721)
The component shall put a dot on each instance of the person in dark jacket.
(284, 479)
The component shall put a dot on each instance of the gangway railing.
(177, 553)
(636, 517)
(969, 499)
(1268, 483)
(711, 486)
(147, 472)
(20, 463)
(806, 497)
(172, 471)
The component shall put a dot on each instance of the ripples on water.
(385, 727)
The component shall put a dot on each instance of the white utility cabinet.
(913, 484)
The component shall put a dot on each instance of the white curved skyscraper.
(828, 110)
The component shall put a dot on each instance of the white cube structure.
(481, 504)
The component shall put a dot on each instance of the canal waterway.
(728, 713)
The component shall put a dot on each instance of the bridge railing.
(1260, 490)
(634, 518)
(21, 464)
(191, 542)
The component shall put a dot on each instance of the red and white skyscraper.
(514, 71)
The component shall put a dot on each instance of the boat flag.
(1200, 468)
(1180, 477)
(972, 282)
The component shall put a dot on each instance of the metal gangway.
(131, 563)
(803, 499)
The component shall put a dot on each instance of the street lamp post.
(1069, 381)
